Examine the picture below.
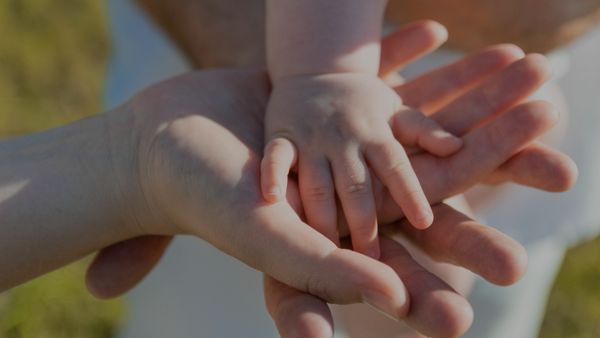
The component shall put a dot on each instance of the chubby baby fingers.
(318, 195)
(392, 166)
(279, 157)
(412, 128)
(355, 191)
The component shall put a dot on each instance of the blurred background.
(53, 57)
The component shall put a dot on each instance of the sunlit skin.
(336, 123)
(111, 275)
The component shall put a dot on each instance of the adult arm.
(62, 197)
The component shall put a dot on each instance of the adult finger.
(296, 314)
(278, 243)
(410, 43)
(435, 89)
(497, 94)
(538, 166)
(485, 149)
(413, 128)
(119, 267)
(455, 238)
(436, 309)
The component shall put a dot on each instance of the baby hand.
(331, 128)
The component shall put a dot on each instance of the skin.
(208, 41)
(534, 25)
(332, 120)
(241, 123)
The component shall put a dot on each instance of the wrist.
(310, 78)
(278, 75)
(58, 200)
(135, 207)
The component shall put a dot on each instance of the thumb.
(118, 268)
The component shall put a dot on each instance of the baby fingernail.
(275, 193)
(381, 304)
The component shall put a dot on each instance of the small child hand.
(331, 129)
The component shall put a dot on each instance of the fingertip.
(446, 144)
(566, 175)
(453, 144)
(511, 265)
(508, 51)
(541, 64)
(271, 191)
(440, 31)
(273, 194)
(421, 218)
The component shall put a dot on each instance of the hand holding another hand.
(199, 139)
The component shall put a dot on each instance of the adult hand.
(232, 120)
(492, 92)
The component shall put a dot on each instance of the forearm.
(213, 33)
(315, 36)
(58, 199)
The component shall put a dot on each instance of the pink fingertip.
(273, 194)
(423, 220)
(449, 143)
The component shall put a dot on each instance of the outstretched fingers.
(485, 149)
(437, 88)
(495, 95)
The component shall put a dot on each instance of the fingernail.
(275, 194)
(381, 304)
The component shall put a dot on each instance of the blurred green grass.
(52, 61)
(573, 310)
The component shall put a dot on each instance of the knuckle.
(357, 189)
(319, 193)
(396, 168)
(412, 193)
(317, 287)
(364, 229)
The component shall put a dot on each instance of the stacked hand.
(198, 141)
